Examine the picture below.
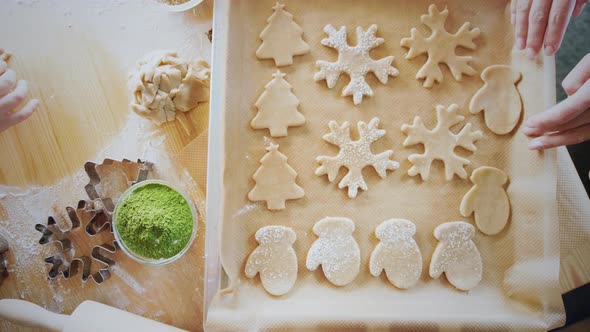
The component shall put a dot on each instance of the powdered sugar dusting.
(355, 155)
(335, 250)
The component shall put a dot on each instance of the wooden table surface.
(76, 56)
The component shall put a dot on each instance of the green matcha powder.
(155, 221)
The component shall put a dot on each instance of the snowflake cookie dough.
(488, 200)
(440, 47)
(335, 250)
(498, 99)
(165, 84)
(456, 255)
(274, 259)
(277, 107)
(275, 180)
(355, 155)
(440, 143)
(281, 39)
(397, 253)
(355, 61)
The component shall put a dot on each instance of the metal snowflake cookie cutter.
(70, 266)
(96, 215)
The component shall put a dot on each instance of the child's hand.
(12, 95)
(569, 121)
(539, 22)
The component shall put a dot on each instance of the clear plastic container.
(147, 260)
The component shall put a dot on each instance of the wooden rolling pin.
(90, 316)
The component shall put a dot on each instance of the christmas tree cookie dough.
(456, 255)
(335, 250)
(355, 155)
(282, 38)
(275, 180)
(277, 107)
(440, 143)
(274, 259)
(488, 200)
(397, 253)
(355, 61)
(499, 99)
(440, 47)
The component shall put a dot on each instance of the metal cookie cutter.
(96, 216)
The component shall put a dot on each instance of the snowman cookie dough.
(397, 253)
(456, 255)
(499, 99)
(274, 259)
(488, 200)
(336, 250)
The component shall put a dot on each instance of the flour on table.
(456, 255)
(440, 143)
(274, 259)
(335, 250)
(355, 61)
(355, 155)
(440, 47)
(397, 253)
(277, 107)
(282, 38)
(487, 199)
(164, 84)
(499, 99)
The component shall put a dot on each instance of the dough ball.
(165, 83)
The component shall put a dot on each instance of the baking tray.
(224, 71)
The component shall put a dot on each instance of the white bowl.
(182, 7)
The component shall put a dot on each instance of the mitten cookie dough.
(498, 99)
(456, 255)
(336, 250)
(274, 259)
(488, 199)
(397, 253)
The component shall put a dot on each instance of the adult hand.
(542, 22)
(569, 121)
(12, 95)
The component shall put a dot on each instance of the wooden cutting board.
(76, 57)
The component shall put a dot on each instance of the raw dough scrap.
(275, 180)
(440, 47)
(488, 200)
(281, 39)
(397, 253)
(456, 255)
(355, 155)
(336, 250)
(355, 61)
(499, 99)
(274, 259)
(164, 84)
(440, 143)
(277, 107)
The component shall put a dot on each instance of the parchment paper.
(520, 288)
